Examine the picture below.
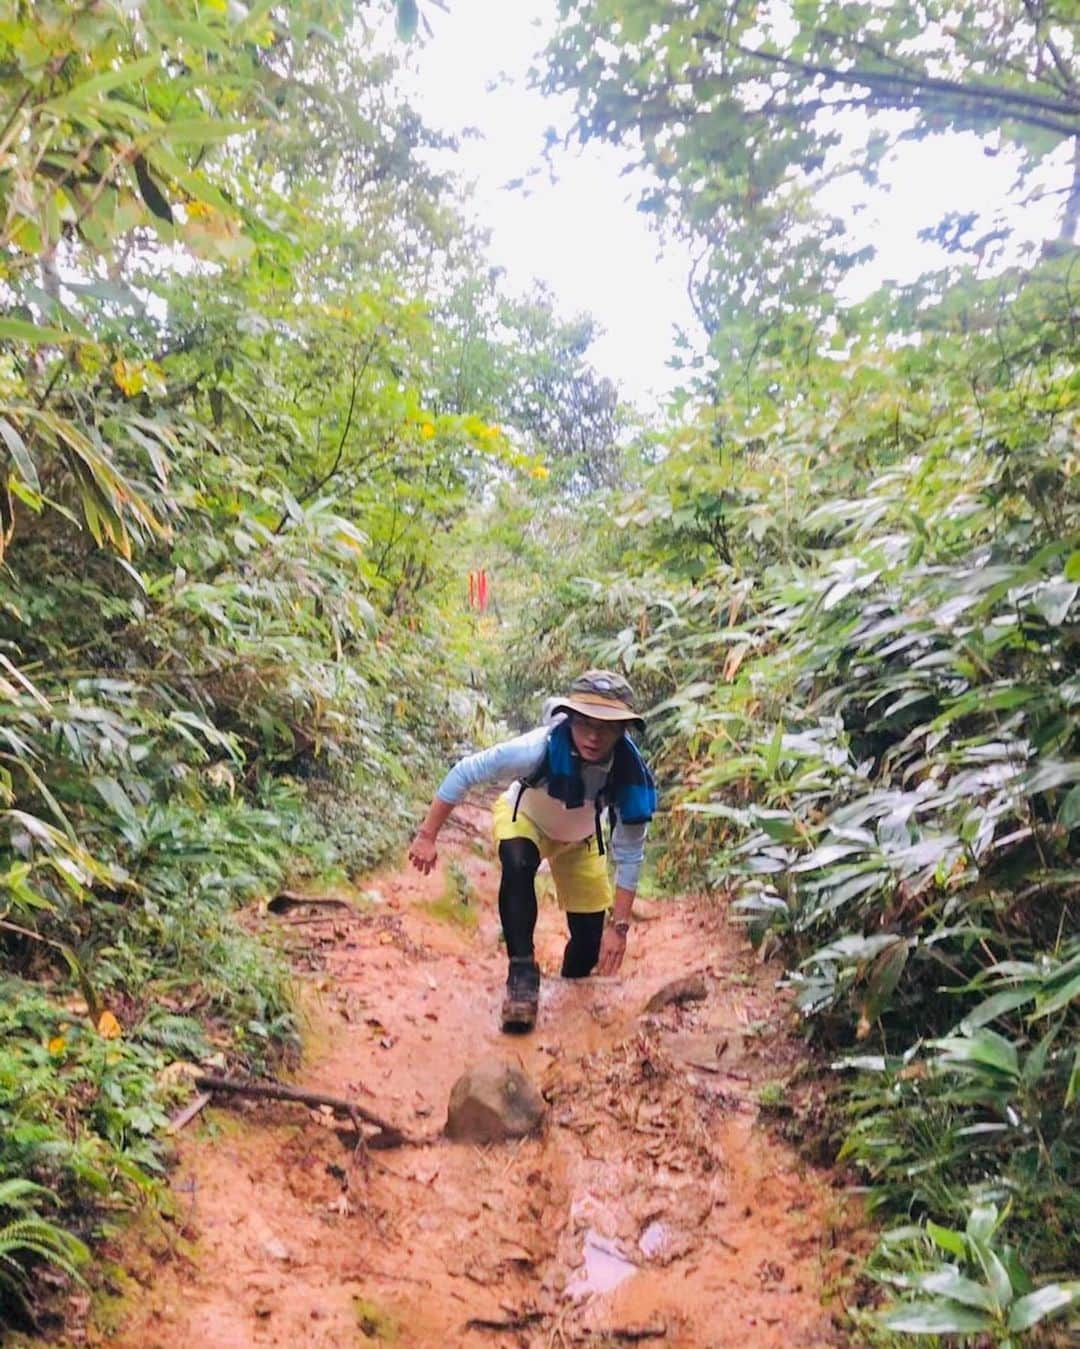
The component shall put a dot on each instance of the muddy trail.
(654, 1207)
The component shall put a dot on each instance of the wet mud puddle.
(652, 1208)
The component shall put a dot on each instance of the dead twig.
(390, 1135)
(185, 1116)
(522, 1321)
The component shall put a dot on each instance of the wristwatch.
(622, 927)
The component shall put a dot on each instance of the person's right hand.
(422, 852)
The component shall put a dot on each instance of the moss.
(455, 905)
(771, 1095)
(375, 1324)
(143, 1242)
(459, 915)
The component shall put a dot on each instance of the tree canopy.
(743, 114)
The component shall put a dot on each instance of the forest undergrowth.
(252, 376)
(264, 408)
(860, 665)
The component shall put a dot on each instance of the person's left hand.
(612, 950)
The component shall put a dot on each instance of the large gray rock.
(493, 1101)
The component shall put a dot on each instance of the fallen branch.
(185, 1116)
(522, 1321)
(391, 1137)
(290, 899)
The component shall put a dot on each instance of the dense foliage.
(854, 615)
(766, 129)
(848, 587)
(239, 426)
(261, 409)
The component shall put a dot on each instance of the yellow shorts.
(581, 879)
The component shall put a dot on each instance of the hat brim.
(600, 709)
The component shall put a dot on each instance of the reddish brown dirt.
(652, 1162)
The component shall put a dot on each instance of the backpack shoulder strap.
(533, 779)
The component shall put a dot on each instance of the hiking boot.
(522, 997)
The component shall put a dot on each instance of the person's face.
(594, 740)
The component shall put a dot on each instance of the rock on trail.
(493, 1101)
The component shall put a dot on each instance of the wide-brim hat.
(602, 695)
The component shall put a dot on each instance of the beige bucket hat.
(601, 694)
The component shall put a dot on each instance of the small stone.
(493, 1101)
(692, 988)
(276, 1249)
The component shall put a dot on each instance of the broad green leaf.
(826, 855)
(936, 1318)
(948, 1240)
(1052, 1297)
(772, 758)
(33, 334)
(982, 1223)
(883, 977)
(1054, 601)
(1073, 1088)
(19, 454)
(998, 1004)
(950, 1283)
(984, 1048)
(1069, 814)
(202, 131)
(134, 73)
(117, 799)
(1059, 998)
(1048, 774)
(997, 1276)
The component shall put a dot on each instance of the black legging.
(520, 859)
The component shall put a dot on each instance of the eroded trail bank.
(653, 1207)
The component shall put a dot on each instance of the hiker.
(562, 775)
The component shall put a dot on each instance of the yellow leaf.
(108, 1026)
(129, 376)
(57, 1044)
(735, 658)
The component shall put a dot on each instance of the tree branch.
(920, 86)
(392, 1136)
(1037, 15)
(357, 376)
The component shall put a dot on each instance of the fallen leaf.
(108, 1027)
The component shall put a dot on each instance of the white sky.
(581, 233)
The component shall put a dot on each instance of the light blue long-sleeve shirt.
(507, 763)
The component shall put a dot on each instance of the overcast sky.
(582, 235)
